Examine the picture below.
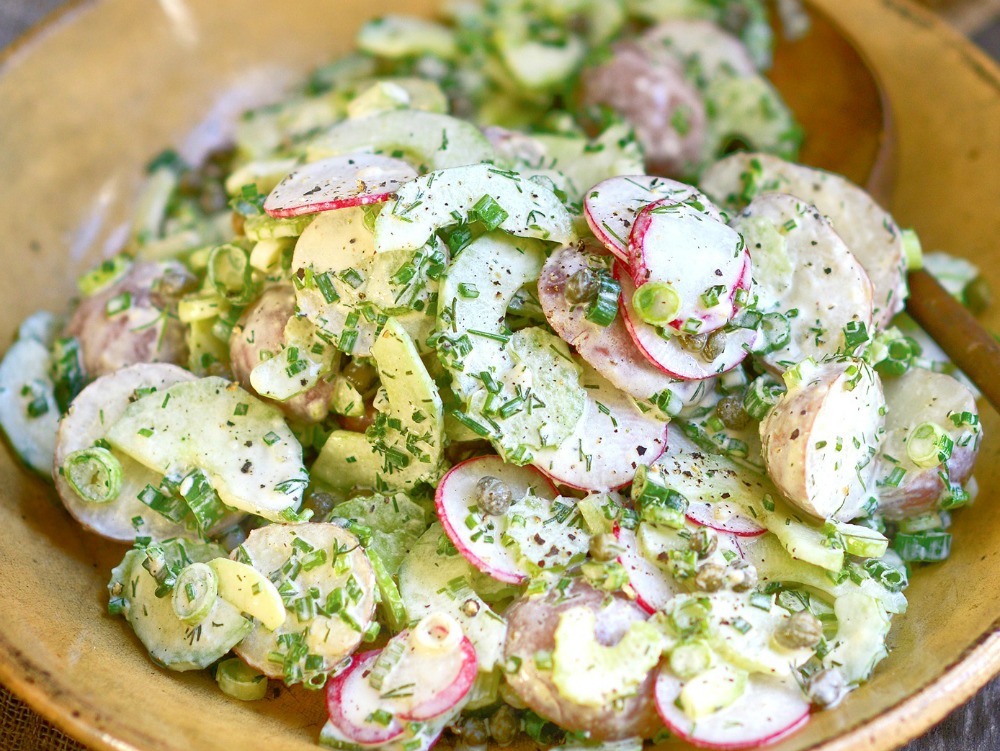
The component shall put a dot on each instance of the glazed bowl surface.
(89, 98)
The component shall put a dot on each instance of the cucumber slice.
(774, 564)
(171, 642)
(249, 454)
(501, 199)
(29, 413)
(434, 578)
(428, 140)
(862, 627)
(404, 446)
(397, 37)
(535, 404)
(500, 265)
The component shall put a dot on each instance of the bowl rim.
(909, 718)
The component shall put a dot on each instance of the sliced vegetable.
(337, 183)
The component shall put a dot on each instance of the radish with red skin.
(350, 699)
(608, 349)
(610, 440)
(338, 183)
(732, 522)
(768, 711)
(447, 675)
(652, 585)
(455, 497)
(430, 677)
(669, 355)
(611, 206)
(717, 489)
(694, 252)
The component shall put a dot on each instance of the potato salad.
(509, 377)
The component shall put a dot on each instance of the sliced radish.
(667, 353)
(611, 439)
(475, 533)
(337, 183)
(768, 710)
(699, 256)
(608, 349)
(718, 490)
(435, 672)
(351, 702)
(429, 670)
(653, 586)
(723, 516)
(612, 206)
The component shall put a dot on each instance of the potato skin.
(144, 332)
(924, 396)
(532, 623)
(261, 328)
(820, 439)
(653, 96)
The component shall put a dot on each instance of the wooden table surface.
(973, 727)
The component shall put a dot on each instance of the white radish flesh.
(700, 257)
(612, 206)
(768, 710)
(351, 701)
(668, 354)
(608, 349)
(718, 490)
(338, 183)
(475, 533)
(653, 586)
(611, 439)
(434, 672)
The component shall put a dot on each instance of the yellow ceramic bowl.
(86, 101)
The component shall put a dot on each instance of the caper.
(504, 725)
(604, 547)
(360, 374)
(803, 629)
(730, 410)
(826, 688)
(473, 731)
(582, 286)
(715, 345)
(711, 577)
(321, 503)
(741, 576)
(977, 295)
(703, 541)
(694, 342)
(493, 495)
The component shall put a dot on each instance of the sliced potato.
(821, 438)
(804, 271)
(532, 624)
(917, 397)
(870, 232)
(311, 562)
(91, 414)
